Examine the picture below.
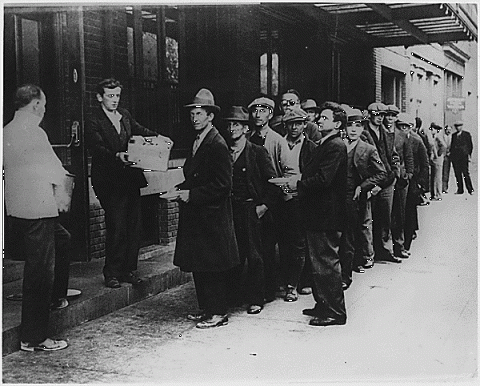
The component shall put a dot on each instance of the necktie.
(196, 144)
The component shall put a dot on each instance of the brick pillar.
(97, 231)
(167, 221)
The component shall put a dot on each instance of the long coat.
(206, 236)
(322, 189)
(102, 139)
(461, 146)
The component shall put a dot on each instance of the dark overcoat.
(206, 236)
(461, 147)
(322, 189)
(103, 141)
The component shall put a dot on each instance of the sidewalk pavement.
(155, 266)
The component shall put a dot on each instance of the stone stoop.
(155, 266)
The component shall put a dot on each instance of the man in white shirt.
(32, 173)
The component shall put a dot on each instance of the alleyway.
(415, 321)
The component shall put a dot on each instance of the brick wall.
(97, 231)
(167, 221)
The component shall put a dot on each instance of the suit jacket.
(389, 156)
(461, 146)
(322, 188)
(369, 166)
(306, 152)
(420, 161)
(259, 169)
(404, 151)
(103, 142)
(206, 237)
(277, 148)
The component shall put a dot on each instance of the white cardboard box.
(149, 153)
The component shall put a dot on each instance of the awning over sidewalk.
(395, 24)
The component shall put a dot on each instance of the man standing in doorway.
(116, 184)
(460, 154)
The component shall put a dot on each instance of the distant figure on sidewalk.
(436, 162)
(447, 137)
(32, 174)
(460, 154)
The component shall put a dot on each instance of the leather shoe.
(327, 321)
(311, 312)
(254, 309)
(471, 192)
(305, 291)
(112, 282)
(345, 286)
(369, 263)
(402, 254)
(198, 317)
(459, 192)
(391, 258)
(131, 278)
(359, 269)
(214, 321)
(291, 295)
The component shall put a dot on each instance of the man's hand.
(375, 190)
(292, 182)
(356, 195)
(123, 156)
(261, 210)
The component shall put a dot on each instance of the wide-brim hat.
(295, 115)
(354, 115)
(237, 114)
(264, 102)
(204, 99)
(309, 104)
(377, 107)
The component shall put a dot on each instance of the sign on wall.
(455, 104)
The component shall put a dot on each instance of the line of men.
(333, 204)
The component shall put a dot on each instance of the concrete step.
(155, 266)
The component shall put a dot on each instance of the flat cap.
(407, 119)
(354, 115)
(377, 107)
(295, 115)
(392, 109)
(458, 123)
(265, 102)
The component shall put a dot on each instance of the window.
(269, 63)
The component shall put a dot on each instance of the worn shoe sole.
(57, 345)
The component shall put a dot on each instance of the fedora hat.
(204, 99)
(309, 104)
(237, 114)
(262, 101)
(354, 115)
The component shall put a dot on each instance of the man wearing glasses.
(291, 100)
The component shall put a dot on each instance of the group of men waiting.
(335, 189)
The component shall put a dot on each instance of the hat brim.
(193, 105)
(236, 120)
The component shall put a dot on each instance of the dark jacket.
(369, 166)
(461, 146)
(259, 169)
(306, 152)
(404, 151)
(206, 237)
(420, 161)
(322, 188)
(103, 142)
(386, 150)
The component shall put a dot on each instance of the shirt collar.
(331, 134)
(112, 115)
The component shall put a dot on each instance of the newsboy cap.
(392, 109)
(237, 114)
(354, 115)
(406, 119)
(263, 101)
(458, 123)
(378, 107)
(204, 99)
(295, 115)
(309, 104)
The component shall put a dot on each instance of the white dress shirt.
(31, 169)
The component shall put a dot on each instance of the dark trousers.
(348, 241)
(382, 204)
(323, 249)
(446, 173)
(248, 228)
(211, 289)
(62, 262)
(460, 167)
(123, 225)
(292, 243)
(398, 218)
(411, 212)
(38, 239)
(270, 236)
